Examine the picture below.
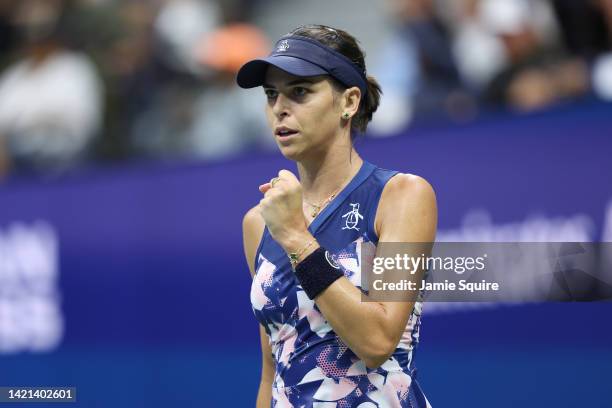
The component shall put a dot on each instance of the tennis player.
(322, 345)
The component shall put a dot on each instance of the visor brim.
(253, 73)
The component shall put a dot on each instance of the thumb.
(265, 187)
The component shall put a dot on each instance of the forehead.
(276, 77)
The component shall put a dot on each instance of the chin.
(291, 153)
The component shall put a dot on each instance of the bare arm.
(252, 229)
(407, 213)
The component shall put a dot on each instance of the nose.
(280, 108)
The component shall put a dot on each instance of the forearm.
(264, 394)
(363, 326)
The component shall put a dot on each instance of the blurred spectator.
(587, 31)
(215, 119)
(583, 27)
(419, 66)
(7, 31)
(134, 73)
(180, 25)
(602, 69)
(227, 119)
(538, 73)
(605, 6)
(165, 87)
(480, 54)
(50, 99)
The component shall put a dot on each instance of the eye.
(271, 93)
(299, 91)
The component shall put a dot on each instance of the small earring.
(346, 115)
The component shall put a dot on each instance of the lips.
(283, 131)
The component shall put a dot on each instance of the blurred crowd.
(458, 58)
(85, 81)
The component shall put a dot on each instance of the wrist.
(307, 251)
(295, 241)
(315, 273)
(298, 256)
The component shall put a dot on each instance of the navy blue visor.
(303, 57)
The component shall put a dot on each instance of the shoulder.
(411, 187)
(406, 198)
(252, 230)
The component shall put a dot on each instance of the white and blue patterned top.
(314, 367)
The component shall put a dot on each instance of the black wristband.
(316, 273)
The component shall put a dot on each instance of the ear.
(350, 100)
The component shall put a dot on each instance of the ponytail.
(368, 106)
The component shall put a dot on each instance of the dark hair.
(347, 45)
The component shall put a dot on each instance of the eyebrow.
(294, 82)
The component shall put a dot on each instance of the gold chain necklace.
(316, 208)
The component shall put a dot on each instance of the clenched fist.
(281, 209)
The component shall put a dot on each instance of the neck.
(328, 173)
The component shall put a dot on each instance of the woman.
(322, 346)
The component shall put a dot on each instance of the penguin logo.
(351, 218)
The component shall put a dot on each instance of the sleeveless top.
(314, 367)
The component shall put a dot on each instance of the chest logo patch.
(351, 218)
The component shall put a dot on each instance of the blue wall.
(153, 288)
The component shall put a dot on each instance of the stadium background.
(121, 265)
